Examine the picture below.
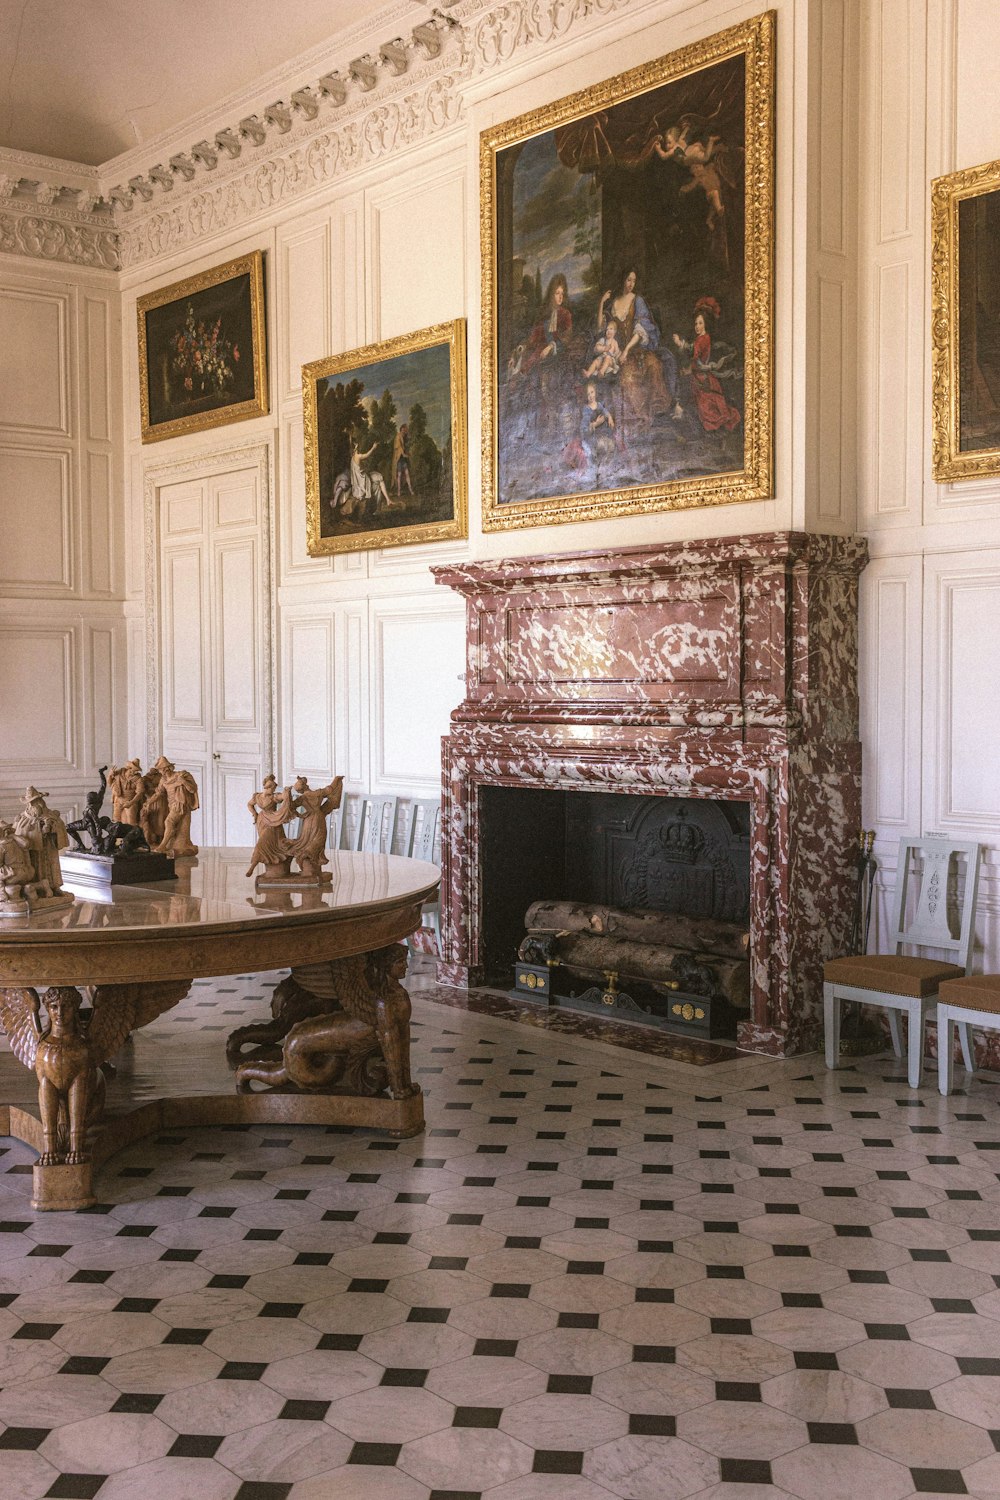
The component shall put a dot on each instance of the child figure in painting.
(607, 353)
(596, 426)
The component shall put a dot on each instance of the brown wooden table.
(335, 1049)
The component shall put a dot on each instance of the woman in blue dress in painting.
(648, 372)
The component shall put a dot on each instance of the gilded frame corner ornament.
(252, 315)
(450, 335)
(949, 460)
(754, 38)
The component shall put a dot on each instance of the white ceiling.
(85, 80)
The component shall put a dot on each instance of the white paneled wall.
(62, 635)
(931, 597)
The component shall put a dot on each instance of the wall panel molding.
(36, 524)
(891, 677)
(304, 297)
(308, 681)
(35, 359)
(47, 745)
(411, 702)
(962, 629)
(96, 366)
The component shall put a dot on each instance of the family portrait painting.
(201, 350)
(385, 443)
(627, 291)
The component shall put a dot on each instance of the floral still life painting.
(627, 291)
(385, 443)
(965, 289)
(201, 350)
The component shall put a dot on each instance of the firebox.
(689, 686)
(573, 884)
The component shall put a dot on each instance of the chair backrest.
(376, 825)
(929, 918)
(425, 826)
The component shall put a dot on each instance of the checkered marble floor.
(595, 1275)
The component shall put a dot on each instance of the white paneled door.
(214, 663)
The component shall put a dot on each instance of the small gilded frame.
(627, 241)
(965, 296)
(385, 443)
(202, 358)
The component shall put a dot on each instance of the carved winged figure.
(68, 1052)
(362, 1047)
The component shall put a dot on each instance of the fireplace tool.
(861, 1034)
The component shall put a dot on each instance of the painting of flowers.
(201, 350)
(385, 443)
(627, 291)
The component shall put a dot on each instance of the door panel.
(182, 598)
(213, 666)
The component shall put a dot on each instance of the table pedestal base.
(60, 1188)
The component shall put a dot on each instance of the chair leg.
(946, 1051)
(894, 1031)
(831, 1025)
(915, 1044)
(965, 1037)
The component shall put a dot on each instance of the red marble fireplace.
(725, 670)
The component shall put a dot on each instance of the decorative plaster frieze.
(378, 105)
(48, 238)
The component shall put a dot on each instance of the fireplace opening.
(616, 901)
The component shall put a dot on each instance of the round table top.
(212, 920)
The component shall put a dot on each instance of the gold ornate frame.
(238, 411)
(754, 481)
(451, 334)
(948, 461)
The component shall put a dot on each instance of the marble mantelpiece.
(719, 669)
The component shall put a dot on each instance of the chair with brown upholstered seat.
(933, 908)
(972, 1001)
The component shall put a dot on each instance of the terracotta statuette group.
(160, 803)
(30, 877)
(274, 850)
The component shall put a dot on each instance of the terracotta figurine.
(180, 792)
(313, 807)
(270, 813)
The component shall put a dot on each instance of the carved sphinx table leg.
(68, 1055)
(340, 1038)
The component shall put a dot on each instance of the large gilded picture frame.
(627, 239)
(202, 350)
(965, 344)
(386, 443)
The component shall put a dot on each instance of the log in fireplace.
(721, 671)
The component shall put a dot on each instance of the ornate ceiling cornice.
(321, 130)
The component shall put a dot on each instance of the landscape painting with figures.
(628, 330)
(385, 443)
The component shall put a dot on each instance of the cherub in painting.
(691, 143)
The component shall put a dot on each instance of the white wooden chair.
(376, 825)
(968, 1002)
(901, 982)
(423, 838)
